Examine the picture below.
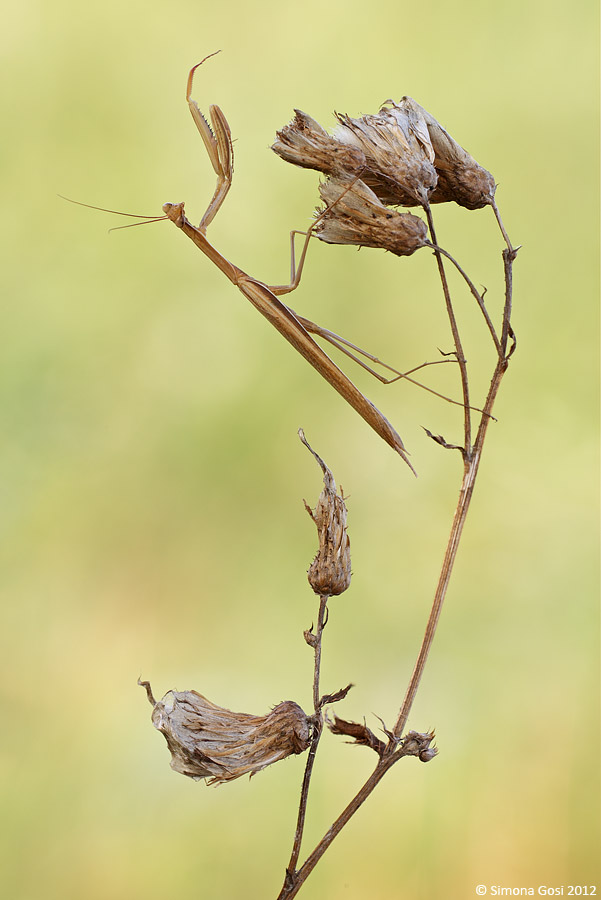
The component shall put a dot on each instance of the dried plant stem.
(471, 465)
(502, 227)
(508, 257)
(321, 623)
(479, 300)
(292, 885)
(467, 421)
(315, 738)
(295, 880)
(471, 457)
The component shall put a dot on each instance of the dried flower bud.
(460, 178)
(305, 143)
(429, 754)
(207, 741)
(417, 744)
(398, 154)
(356, 216)
(330, 571)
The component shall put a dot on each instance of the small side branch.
(509, 256)
(502, 227)
(467, 421)
(476, 294)
(438, 439)
(317, 724)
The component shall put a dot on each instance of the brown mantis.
(218, 144)
(294, 328)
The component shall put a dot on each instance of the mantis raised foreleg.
(218, 143)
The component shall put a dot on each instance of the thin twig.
(317, 730)
(508, 257)
(293, 884)
(501, 226)
(465, 495)
(479, 297)
(467, 422)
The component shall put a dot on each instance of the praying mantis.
(294, 328)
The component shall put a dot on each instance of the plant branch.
(472, 456)
(465, 495)
(471, 466)
(315, 641)
(467, 422)
(293, 884)
(478, 296)
(508, 257)
(502, 227)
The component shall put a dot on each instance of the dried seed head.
(398, 154)
(460, 178)
(208, 741)
(356, 216)
(403, 154)
(330, 571)
(417, 744)
(305, 143)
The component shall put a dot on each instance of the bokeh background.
(152, 479)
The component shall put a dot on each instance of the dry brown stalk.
(416, 135)
(329, 575)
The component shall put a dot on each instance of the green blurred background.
(153, 481)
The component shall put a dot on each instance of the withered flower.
(392, 153)
(403, 154)
(413, 744)
(460, 177)
(398, 154)
(208, 741)
(361, 734)
(355, 215)
(306, 144)
(330, 571)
